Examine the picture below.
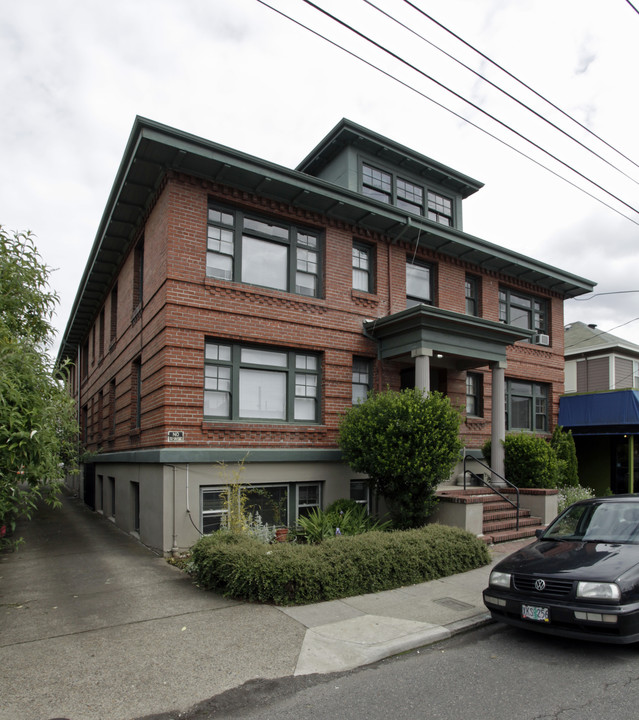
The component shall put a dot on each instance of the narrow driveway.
(95, 626)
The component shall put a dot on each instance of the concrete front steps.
(499, 518)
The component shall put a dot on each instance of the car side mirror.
(539, 532)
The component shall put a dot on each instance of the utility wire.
(521, 82)
(394, 55)
(448, 110)
(501, 90)
(611, 292)
(632, 6)
(603, 332)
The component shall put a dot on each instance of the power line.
(611, 292)
(394, 55)
(603, 332)
(632, 6)
(447, 109)
(501, 90)
(521, 82)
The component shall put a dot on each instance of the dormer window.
(377, 184)
(440, 209)
(395, 190)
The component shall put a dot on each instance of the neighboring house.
(232, 309)
(601, 406)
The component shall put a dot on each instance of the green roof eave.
(154, 149)
(443, 331)
(347, 133)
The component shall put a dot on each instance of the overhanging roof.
(348, 134)
(153, 149)
(470, 340)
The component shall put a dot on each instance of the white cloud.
(241, 75)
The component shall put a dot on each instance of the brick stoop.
(499, 517)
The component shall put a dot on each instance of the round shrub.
(530, 462)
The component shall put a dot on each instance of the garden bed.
(241, 567)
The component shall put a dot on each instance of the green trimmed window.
(250, 249)
(526, 406)
(393, 189)
(254, 383)
(522, 310)
(419, 284)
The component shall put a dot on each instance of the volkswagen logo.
(540, 585)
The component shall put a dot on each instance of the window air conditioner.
(541, 339)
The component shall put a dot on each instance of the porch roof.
(468, 341)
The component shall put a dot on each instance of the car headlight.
(499, 579)
(598, 591)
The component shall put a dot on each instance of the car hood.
(604, 562)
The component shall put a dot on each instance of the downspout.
(174, 547)
(631, 463)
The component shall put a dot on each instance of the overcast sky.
(77, 72)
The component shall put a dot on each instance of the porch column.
(498, 419)
(422, 368)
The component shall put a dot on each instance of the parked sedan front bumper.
(618, 624)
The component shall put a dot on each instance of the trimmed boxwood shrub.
(529, 461)
(294, 574)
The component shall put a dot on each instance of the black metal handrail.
(492, 487)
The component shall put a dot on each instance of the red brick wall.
(182, 307)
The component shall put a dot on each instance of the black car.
(579, 579)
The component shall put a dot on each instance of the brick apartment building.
(231, 310)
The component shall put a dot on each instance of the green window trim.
(523, 310)
(248, 248)
(527, 405)
(247, 383)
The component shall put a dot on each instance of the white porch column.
(422, 368)
(498, 419)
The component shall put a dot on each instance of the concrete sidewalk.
(95, 626)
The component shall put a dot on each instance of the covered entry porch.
(431, 343)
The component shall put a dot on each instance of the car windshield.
(609, 522)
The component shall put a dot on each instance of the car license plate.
(532, 612)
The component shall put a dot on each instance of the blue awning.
(601, 413)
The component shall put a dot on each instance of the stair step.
(508, 535)
(490, 516)
(503, 525)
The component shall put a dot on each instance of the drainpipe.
(631, 463)
(174, 546)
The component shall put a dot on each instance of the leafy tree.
(406, 442)
(38, 429)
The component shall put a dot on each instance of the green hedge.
(293, 574)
